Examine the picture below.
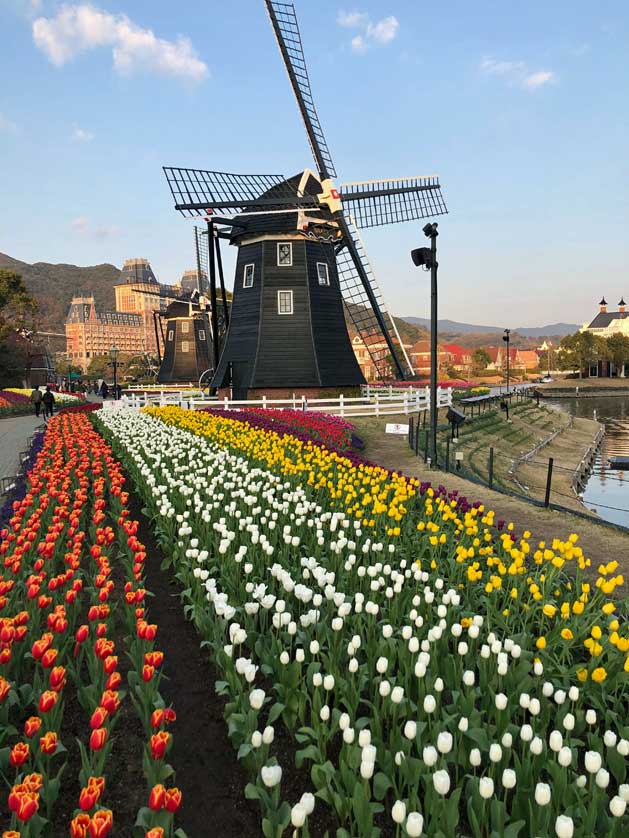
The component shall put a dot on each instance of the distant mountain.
(54, 285)
(454, 327)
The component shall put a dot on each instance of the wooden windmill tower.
(301, 259)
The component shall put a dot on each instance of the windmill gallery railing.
(379, 404)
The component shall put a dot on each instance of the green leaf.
(381, 785)
(252, 792)
(244, 750)
(275, 712)
(514, 829)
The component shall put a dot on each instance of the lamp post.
(113, 352)
(427, 257)
(505, 337)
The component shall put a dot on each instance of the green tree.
(580, 351)
(481, 359)
(17, 309)
(618, 350)
(66, 368)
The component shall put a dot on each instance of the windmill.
(301, 258)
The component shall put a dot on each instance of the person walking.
(36, 398)
(49, 402)
(104, 390)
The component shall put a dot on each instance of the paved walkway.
(14, 434)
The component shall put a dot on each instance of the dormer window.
(284, 254)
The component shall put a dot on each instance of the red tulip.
(110, 663)
(82, 633)
(110, 701)
(147, 673)
(19, 754)
(31, 726)
(159, 744)
(42, 645)
(98, 738)
(49, 657)
(91, 794)
(113, 682)
(48, 743)
(28, 805)
(101, 823)
(154, 658)
(156, 797)
(172, 800)
(5, 687)
(47, 701)
(99, 717)
(155, 832)
(79, 826)
(33, 782)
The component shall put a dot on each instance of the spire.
(621, 305)
(603, 304)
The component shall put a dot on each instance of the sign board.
(396, 428)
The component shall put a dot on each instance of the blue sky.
(521, 108)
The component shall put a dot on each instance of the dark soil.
(207, 771)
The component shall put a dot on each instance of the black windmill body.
(301, 261)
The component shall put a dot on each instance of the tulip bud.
(486, 787)
(430, 755)
(430, 705)
(268, 735)
(495, 752)
(564, 757)
(397, 694)
(410, 732)
(555, 741)
(271, 775)
(602, 778)
(256, 698)
(463, 724)
(542, 794)
(414, 824)
(398, 812)
(501, 701)
(298, 815)
(509, 778)
(593, 761)
(564, 827)
(617, 806)
(590, 717)
(441, 782)
(256, 739)
(444, 742)
(475, 757)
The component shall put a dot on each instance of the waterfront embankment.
(583, 388)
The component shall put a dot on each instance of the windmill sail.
(286, 28)
(364, 315)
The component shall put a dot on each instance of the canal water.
(607, 490)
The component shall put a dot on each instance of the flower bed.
(435, 675)
(332, 431)
(69, 539)
(16, 401)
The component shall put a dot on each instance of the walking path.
(14, 434)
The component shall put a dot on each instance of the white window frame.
(171, 334)
(185, 327)
(279, 306)
(327, 273)
(246, 284)
(185, 346)
(290, 247)
(201, 334)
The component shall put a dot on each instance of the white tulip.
(397, 694)
(486, 787)
(555, 740)
(593, 761)
(414, 824)
(590, 716)
(463, 724)
(542, 794)
(573, 693)
(398, 812)
(462, 648)
(617, 806)
(284, 658)
(525, 700)
(526, 733)
(534, 707)
(268, 734)
(317, 679)
(344, 721)
(399, 758)
(348, 735)
(430, 755)
(475, 757)
(564, 827)
(300, 655)
(256, 739)
(469, 678)
(410, 729)
(581, 781)
(536, 746)
(353, 665)
(507, 740)
(308, 802)
(560, 696)
(382, 665)
(444, 742)
(547, 689)
(602, 778)
(364, 737)
(501, 701)
(564, 757)
(298, 815)
(430, 705)
(366, 770)
(384, 689)
(441, 781)
(256, 698)
(328, 683)
(495, 752)
(509, 778)
(610, 738)
(439, 685)
(314, 647)
(324, 713)
(271, 775)
(387, 631)
(569, 721)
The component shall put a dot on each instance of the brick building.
(135, 293)
(90, 332)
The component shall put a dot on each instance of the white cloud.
(517, 73)
(79, 28)
(539, 79)
(80, 135)
(380, 33)
(352, 20)
(384, 31)
(83, 227)
(6, 126)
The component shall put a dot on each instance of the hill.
(453, 327)
(54, 285)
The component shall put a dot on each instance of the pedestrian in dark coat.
(49, 402)
(36, 399)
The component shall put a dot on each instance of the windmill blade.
(373, 203)
(286, 29)
(366, 306)
(195, 191)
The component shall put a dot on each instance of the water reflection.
(606, 487)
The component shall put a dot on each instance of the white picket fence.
(377, 403)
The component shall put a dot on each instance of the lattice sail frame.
(374, 203)
(361, 312)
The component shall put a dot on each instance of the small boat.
(618, 461)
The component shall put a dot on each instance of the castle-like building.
(91, 331)
(608, 323)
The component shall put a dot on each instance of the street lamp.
(113, 352)
(427, 257)
(505, 337)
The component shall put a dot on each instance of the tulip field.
(390, 659)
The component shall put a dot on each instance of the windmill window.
(247, 281)
(285, 254)
(185, 328)
(201, 334)
(322, 273)
(284, 302)
(185, 346)
(171, 334)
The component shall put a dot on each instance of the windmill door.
(241, 374)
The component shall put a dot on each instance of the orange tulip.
(101, 823)
(19, 754)
(28, 805)
(49, 657)
(42, 645)
(79, 826)
(11, 833)
(159, 744)
(91, 794)
(98, 717)
(33, 782)
(82, 633)
(147, 673)
(110, 663)
(110, 701)
(5, 686)
(113, 682)
(58, 678)
(155, 832)
(47, 701)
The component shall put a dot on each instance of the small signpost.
(396, 428)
